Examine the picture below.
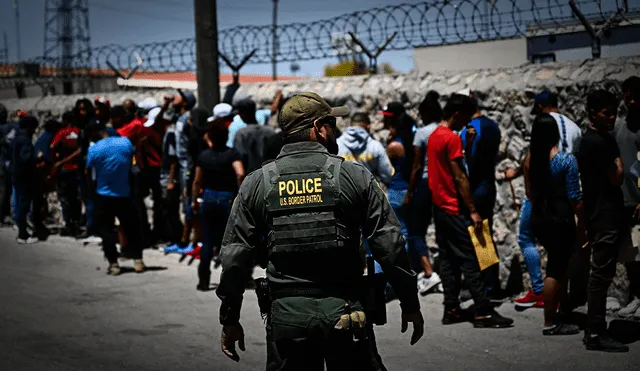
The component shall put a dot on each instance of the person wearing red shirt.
(449, 184)
(147, 136)
(65, 143)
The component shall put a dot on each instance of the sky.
(127, 22)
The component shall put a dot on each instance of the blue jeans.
(527, 244)
(23, 197)
(214, 213)
(419, 218)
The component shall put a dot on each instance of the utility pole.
(274, 56)
(207, 69)
(17, 10)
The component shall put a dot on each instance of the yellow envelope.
(483, 244)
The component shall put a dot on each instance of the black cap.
(245, 106)
(393, 109)
(544, 99)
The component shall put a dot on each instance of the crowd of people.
(582, 188)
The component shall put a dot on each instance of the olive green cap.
(301, 110)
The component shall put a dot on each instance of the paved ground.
(59, 311)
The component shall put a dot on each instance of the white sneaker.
(426, 284)
(630, 309)
(28, 241)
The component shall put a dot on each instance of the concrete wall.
(462, 57)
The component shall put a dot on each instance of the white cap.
(222, 110)
(151, 118)
(148, 103)
(466, 92)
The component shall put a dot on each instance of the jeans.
(23, 196)
(529, 250)
(138, 194)
(5, 192)
(151, 182)
(172, 226)
(67, 190)
(458, 256)
(87, 197)
(605, 246)
(106, 210)
(214, 213)
(420, 214)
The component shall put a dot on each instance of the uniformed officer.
(304, 214)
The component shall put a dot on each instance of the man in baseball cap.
(308, 117)
(297, 203)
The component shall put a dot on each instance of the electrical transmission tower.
(66, 39)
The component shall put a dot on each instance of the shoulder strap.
(333, 167)
(269, 175)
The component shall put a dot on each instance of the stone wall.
(505, 95)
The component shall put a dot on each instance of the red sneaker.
(540, 304)
(530, 300)
(195, 252)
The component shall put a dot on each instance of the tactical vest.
(306, 240)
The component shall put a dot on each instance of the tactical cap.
(303, 109)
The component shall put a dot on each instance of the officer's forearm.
(396, 266)
(230, 290)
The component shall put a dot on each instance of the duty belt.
(313, 292)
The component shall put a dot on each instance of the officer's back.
(302, 215)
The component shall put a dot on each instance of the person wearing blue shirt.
(481, 140)
(111, 159)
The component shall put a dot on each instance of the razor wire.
(424, 24)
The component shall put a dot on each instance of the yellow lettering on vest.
(290, 187)
(317, 183)
(298, 191)
(281, 187)
(308, 186)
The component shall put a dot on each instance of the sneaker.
(27, 241)
(203, 284)
(561, 329)
(113, 270)
(630, 309)
(171, 249)
(604, 343)
(186, 250)
(93, 239)
(530, 300)
(426, 284)
(456, 315)
(139, 266)
(492, 320)
(465, 295)
(195, 252)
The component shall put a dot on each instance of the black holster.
(375, 306)
(264, 297)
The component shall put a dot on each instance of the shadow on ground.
(124, 270)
